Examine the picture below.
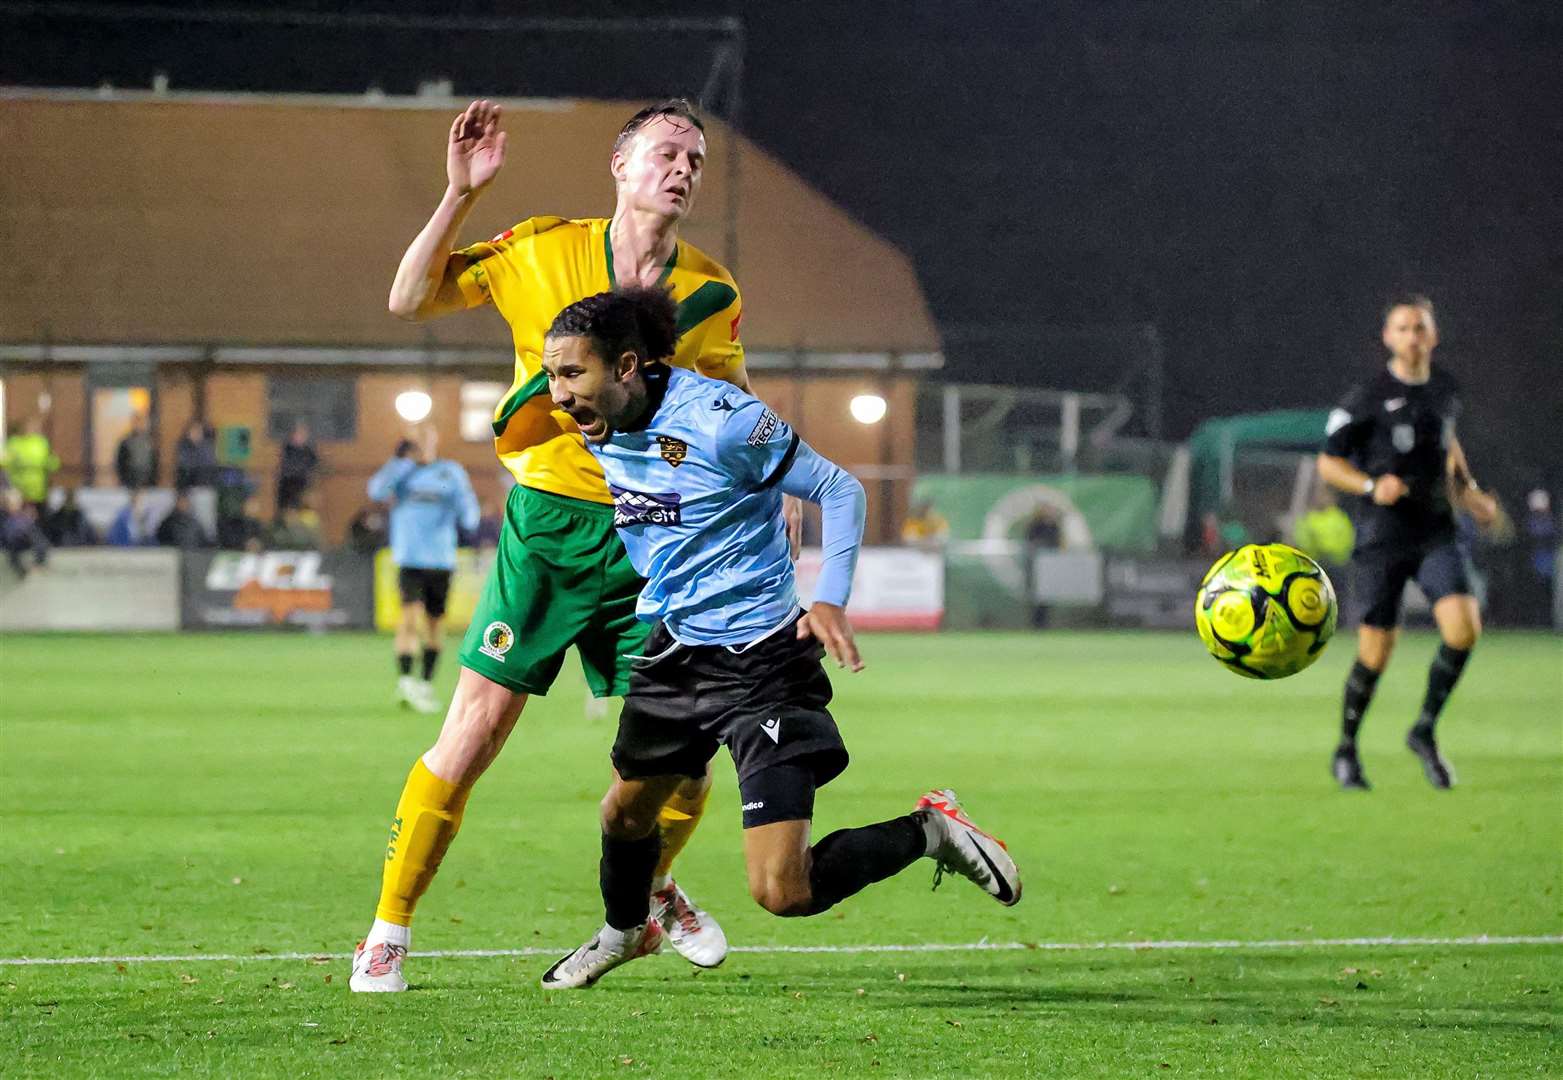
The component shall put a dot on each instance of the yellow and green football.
(1265, 611)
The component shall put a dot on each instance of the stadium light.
(867, 408)
(413, 405)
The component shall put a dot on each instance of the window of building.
(328, 404)
(478, 402)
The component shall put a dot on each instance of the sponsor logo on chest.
(645, 508)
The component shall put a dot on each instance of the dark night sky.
(1251, 178)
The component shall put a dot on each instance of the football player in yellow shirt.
(560, 576)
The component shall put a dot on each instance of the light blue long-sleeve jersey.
(697, 495)
(429, 501)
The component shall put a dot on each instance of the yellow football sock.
(427, 817)
(677, 820)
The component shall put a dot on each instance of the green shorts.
(560, 578)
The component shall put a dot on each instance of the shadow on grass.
(1233, 989)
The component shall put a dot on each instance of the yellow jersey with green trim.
(537, 269)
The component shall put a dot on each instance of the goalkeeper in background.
(428, 496)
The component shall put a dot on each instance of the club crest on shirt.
(674, 451)
(644, 508)
(1404, 437)
(764, 428)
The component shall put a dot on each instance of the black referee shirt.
(1388, 426)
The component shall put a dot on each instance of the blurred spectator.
(244, 531)
(1541, 530)
(924, 526)
(180, 528)
(1043, 532)
(297, 469)
(30, 461)
(292, 532)
(368, 531)
(309, 512)
(136, 459)
(1325, 531)
(486, 535)
(131, 527)
(68, 526)
(1541, 536)
(195, 457)
(19, 532)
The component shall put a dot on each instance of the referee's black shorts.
(431, 588)
(1380, 574)
(767, 704)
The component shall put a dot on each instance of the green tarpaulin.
(1215, 444)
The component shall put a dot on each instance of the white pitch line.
(977, 946)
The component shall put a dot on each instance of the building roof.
(280, 221)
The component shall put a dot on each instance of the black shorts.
(766, 704)
(430, 588)
(1379, 577)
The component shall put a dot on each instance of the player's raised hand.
(476, 150)
(1388, 489)
(828, 624)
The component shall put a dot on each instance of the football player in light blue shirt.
(697, 469)
(429, 496)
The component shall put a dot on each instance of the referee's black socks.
(1441, 677)
(1360, 685)
(430, 658)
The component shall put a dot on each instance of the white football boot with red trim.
(377, 968)
(964, 849)
(691, 930)
(593, 960)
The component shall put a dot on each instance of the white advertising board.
(893, 589)
(94, 589)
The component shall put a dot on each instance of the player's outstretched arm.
(386, 483)
(843, 507)
(425, 284)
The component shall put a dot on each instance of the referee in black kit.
(1392, 443)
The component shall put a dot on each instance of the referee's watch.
(1368, 485)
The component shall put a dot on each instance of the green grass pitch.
(198, 796)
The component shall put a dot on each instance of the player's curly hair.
(639, 320)
(677, 107)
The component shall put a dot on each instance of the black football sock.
(430, 658)
(625, 873)
(850, 860)
(1359, 692)
(404, 663)
(1441, 677)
